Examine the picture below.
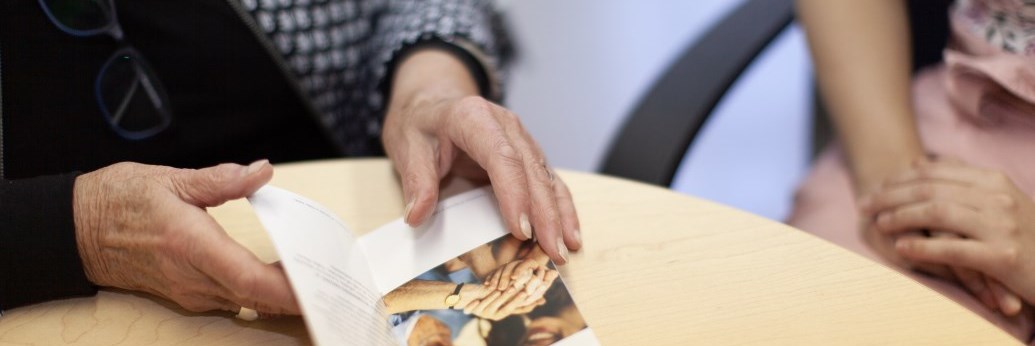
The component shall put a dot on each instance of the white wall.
(584, 64)
(755, 148)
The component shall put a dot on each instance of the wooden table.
(657, 268)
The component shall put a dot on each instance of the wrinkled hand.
(993, 223)
(436, 126)
(145, 228)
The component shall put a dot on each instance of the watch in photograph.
(454, 298)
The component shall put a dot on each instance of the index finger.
(252, 283)
(953, 172)
(949, 251)
(912, 192)
(495, 139)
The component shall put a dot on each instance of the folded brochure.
(460, 279)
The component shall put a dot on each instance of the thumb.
(212, 186)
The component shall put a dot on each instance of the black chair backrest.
(654, 139)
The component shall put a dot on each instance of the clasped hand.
(514, 288)
(981, 228)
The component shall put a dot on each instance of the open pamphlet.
(460, 279)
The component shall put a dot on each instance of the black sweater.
(231, 102)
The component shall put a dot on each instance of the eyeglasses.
(128, 92)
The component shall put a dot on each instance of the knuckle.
(1009, 257)
(550, 216)
(1011, 228)
(512, 120)
(938, 213)
(542, 172)
(999, 178)
(506, 152)
(923, 191)
(474, 105)
(213, 178)
(1005, 201)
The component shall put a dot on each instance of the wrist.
(83, 212)
(430, 75)
(469, 293)
(871, 169)
(868, 179)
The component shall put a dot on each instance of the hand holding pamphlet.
(460, 279)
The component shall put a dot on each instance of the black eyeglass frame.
(143, 73)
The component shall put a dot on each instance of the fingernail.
(526, 227)
(1011, 304)
(578, 236)
(256, 166)
(409, 208)
(562, 249)
(901, 245)
(247, 314)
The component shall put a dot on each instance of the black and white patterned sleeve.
(469, 28)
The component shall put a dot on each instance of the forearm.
(481, 261)
(861, 51)
(419, 295)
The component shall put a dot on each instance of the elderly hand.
(436, 125)
(145, 228)
(993, 223)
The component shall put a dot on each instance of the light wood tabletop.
(658, 268)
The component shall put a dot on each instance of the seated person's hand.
(436, 125)
(992, 220)
(145, 228)
(989, 291)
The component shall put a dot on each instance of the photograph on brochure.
(505, 292)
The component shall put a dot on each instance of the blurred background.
(584, 65)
